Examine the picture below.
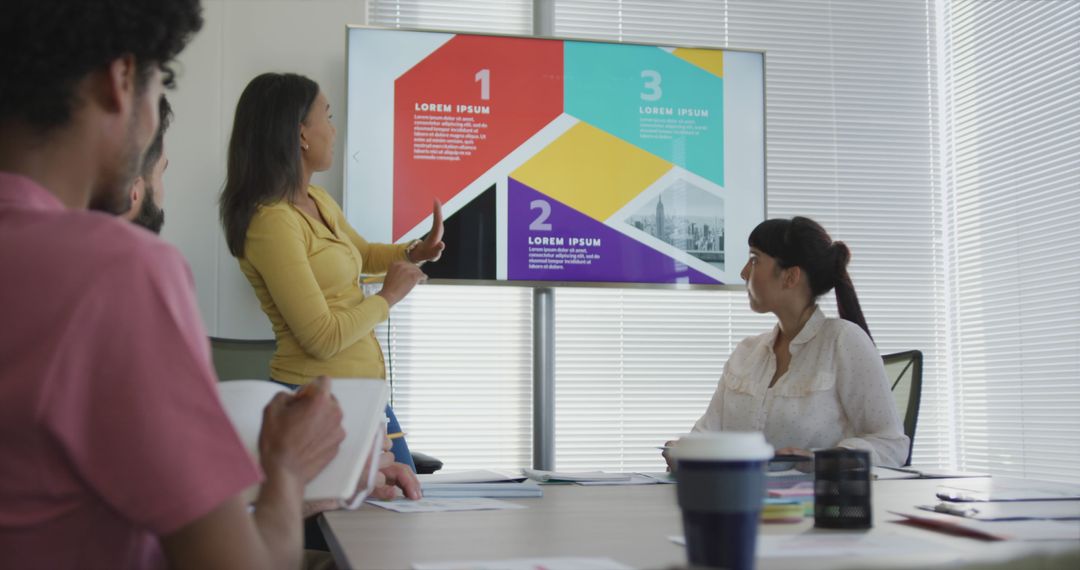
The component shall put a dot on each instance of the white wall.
(239, 40)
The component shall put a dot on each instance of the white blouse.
(834, 393)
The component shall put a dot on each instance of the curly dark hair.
(48, 46)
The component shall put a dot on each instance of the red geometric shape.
(446, 133)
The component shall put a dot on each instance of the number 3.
(652, 84)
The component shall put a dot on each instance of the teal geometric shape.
(649, 98)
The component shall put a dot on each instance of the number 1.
(484, 77)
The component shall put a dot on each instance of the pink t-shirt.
(112, 430)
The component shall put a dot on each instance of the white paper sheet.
(551, 563)
(660, 476)
(839, 544)
(580, 476)
(505, 490)
(830, 543)
(884, 474)
(445, 505)
(632, 479)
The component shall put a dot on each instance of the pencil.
(395, 435)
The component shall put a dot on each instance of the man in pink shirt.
(115, 450)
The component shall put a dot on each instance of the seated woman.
(812, 382)
(297, 250)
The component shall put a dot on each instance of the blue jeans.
(401, 447)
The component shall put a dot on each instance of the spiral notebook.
(363, 404)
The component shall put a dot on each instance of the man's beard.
(111, 194)
(150, 216)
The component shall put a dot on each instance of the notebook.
(1008, 489)
(363, 404)
(471, 476)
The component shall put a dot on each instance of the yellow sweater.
(307, 278)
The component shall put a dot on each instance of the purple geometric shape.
(575, 247)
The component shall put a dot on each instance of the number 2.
(540, 223)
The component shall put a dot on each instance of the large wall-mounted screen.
(557, 160)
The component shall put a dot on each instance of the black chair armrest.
(425, 464)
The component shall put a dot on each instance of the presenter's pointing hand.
(432, 246)
(399, 281)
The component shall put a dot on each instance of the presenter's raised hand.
(431, 247)
(399, 281)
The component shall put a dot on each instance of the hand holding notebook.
(362, 403)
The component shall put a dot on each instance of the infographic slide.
(557, 160)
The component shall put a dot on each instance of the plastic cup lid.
(724, 446)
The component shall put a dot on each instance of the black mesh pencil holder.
(842, 489)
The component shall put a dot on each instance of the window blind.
(851, 142)
(1014, 173)
(460, 363)
(635, 367)
(493, 16)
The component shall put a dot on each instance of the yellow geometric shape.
(711, 60)
(591, 171)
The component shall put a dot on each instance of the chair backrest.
(904, 370)
(236, 359)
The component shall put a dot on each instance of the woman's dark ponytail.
(847, 302)
(804, 243)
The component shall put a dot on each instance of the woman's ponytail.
(847, 302)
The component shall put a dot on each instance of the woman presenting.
(297, 250)
(811, 382)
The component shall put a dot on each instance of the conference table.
(633, 524)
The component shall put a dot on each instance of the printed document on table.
(551, 563)
(632, 479)
(576, 477)
(838, 544)
(505, 490)
(445, 505)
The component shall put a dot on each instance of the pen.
(395, 435)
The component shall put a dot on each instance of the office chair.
(236, 359)
(904, 370)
